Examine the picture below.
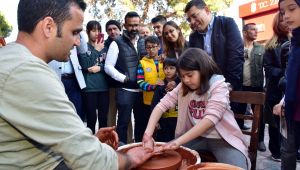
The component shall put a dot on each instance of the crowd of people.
(52, 80)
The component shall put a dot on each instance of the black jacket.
(160, 92)
(274, 71)
(128, 60)
(227, 49)
(173, 53)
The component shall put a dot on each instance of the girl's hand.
(162, 57)
(94, 69)
(99, 45)
(148, 142)
(172, 145)
(160, 82)
(170, 86)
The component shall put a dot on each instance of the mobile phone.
(2, 42)
(100, 38)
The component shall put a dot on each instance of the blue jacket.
(292, 100)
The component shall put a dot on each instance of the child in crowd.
(205, 121)
(290, 11)
(95, 95)
(167, 123)
(149, 75)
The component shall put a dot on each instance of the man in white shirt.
(71, 75)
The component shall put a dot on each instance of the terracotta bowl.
(188, 156)
(213, 166)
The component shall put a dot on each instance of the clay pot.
(180, 158)
(213, 166)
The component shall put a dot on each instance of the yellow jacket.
(150, 75)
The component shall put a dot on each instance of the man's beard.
(133, 33)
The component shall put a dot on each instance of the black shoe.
(262, 147)
(245, 127)
(276, 158)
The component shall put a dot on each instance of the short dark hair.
(93, 25)
(170, 62)
(152, 39)
(113, 22)
(197, 59)
(159, 18)
(131, 14)
(247, 26)
(30, 12)
(200, 4)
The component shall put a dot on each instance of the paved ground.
(264, 161)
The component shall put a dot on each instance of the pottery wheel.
(168, 160)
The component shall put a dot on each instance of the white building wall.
(233, 11)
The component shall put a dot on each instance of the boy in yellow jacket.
(150, 73)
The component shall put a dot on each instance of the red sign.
(256, 7)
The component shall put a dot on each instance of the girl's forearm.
(201, 127)
(154, 118)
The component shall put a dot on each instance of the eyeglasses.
(151, 47)
(194, 16)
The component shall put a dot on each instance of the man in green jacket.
(253, 76)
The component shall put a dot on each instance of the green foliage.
(172, 9)
(216, 5)
(5, 28)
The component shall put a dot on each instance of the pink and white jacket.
(217, 110)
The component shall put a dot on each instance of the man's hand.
(94, 69)
(170, 86)
(278, 109)
(139, 155)
(109, 136)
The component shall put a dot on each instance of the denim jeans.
(222, 150)
(128, 102)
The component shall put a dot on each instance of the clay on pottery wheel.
(189, 157)
(168, 160)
